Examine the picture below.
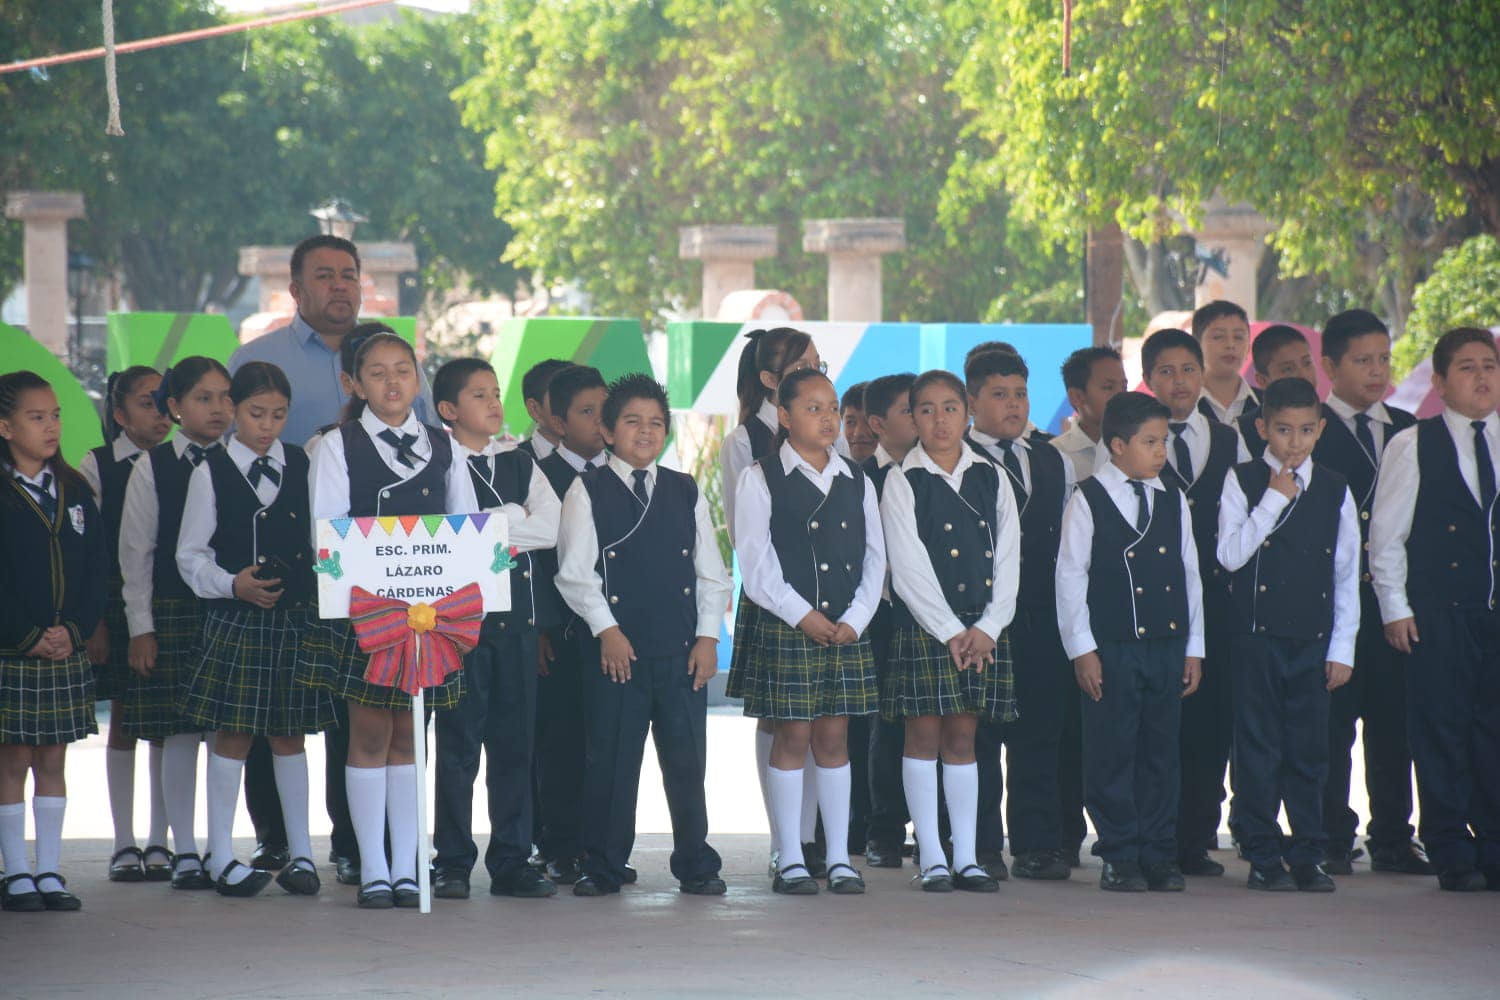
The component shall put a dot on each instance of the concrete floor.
(1377, 936)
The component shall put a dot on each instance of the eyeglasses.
(821, 366)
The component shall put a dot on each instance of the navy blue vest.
(1286, 589)
(377, 491)
(955, 531)
(509, 481)
(819, 540)
(762, 438)
(551, 609)
(171, 474)
(1251, 408)
(113, 476)
(1041, 522)
(1204, 494)
(1451, 551)
(1340, 451)
(877, 473)
(248, 533)
(646, 558)
(1254, 443)
(1137, 583)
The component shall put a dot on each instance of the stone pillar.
(1237, 233)
(45, 215)
(729, 254)
(854, 248)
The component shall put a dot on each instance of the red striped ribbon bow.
(392, 632)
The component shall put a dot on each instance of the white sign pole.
(424, 837)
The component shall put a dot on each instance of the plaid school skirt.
(330, 660)
(747, 618)
(792, 678)
(112, 677)
(922, 679)
(241, 679)
(150, 703)
(46, 702)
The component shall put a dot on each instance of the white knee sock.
(291, 788)
(961, 789)
(13, 838)
(223, 797)
(833, 799)
(401, 812)
(763, 743)
(809, 826)
(786, 812)
(919, 777)
(157, 837)
(366, 787)
(47, 812)
(179, 782)
(119, 775)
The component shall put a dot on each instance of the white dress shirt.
(530, 526)
(44, 481)
(1021, 448)
(1380, 422)
(330, 468)
(1083, 452)
(88, 468)
(760, 567)
(1244, 398)
(578, 579)
(735, 458)
(200, 518)
(1199, 442)
(578, 462)
(1075, 555)
(1396, 503)
(913, 577)
(1242, 529)
(541, 445)
(138, 526)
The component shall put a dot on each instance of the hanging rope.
(111, 83)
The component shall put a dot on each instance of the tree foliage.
(1464, 290)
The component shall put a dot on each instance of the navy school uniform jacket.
(819, 541)
(375, 490)
(1204, 494)
(954, 529)
(1137, 583)
(1041, 524)
(49, 570)
(1339, 450)
(1449, 566)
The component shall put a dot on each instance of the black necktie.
(1143, 510)
(261, 467)
(402, 443)
(42, 493)
(1365, 437)
(482, 463)
(194, 453)
(1486, 466)
(639, 489)
(1180, 449)
(1012, 463)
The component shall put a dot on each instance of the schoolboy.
(1289, 535)
(1129, 610)
(1092, 377)
(1222, 329)
(543, 440)
(1279, 351)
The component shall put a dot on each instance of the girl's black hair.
(256, 377)
(767, 351)
(379, 334)
(183, 377)
(790, 388)
(116, 391)
(11, 388)
(942, 376)
(354, 340)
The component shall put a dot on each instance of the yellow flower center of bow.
(421, 618)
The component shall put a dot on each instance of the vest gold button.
(953, 553)
(1140, 631)
(385, 493)
(502, 625)
(962, 587)
(844, 525)
(981, 522)
(292, 513)
(526, 573)
(1367, 578)
(1266, 544)
(813, 525)
(1172, 626)
(848, 568)
(988, 582)
(1262, 588)
(425, 491)
(1453, 565)
(611, 553)
(1191, 501)
(262, 515)
(1325, 597)
(687, 590)
(1262, 628)
(823, 567)
(1161, 550)
(1364, 515)
(988, 554)
(947, 527)
(1452, 528)
(613, 599)
(1169, 588)
(1130, 554)
(684, 552)
(531, 621)
(824, 605)
(1320, 635)
(1140, 590)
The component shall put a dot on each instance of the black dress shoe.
(1312, 878)
(564, 871)
(794, 880)
(879, 855)
(995, 865)
(1338, 861)
(250, 885)
(975, 878)
(60, 900)
(1165, 876)
(21, 899)
(188, 873)
(814, 860)
(347, 871)
(447, 884)
(592, 885)
(406, 894)
(1045, 866)
(1461, 880)
(153, 867)
(525, 882)
(1199, 865)
(270, 858)
(631, 876)
(1404, 859)
(844, 880)
(1270, 878)
(938, 878)
(125, 866)
(1122, 876)
(375, 895)
(710, 886)
(300, 878)
(1074, 858)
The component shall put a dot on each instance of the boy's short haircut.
(881, 393)
(1217, 309)
(568, 383)
(1449, 344)
(854, 396)
(534, 382)
(637, 385)
(1127, 411)
(934, 377)
(988, 347)
(982, 367)
(1270, 340)
(1290, 393)
(1079, 366)
(1165, 340)
(1345, 327)
(451, 379)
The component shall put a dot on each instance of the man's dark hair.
(634, 386)
(1125, 413)
(534, 382)
(568, 383)
(1449, 343)
(1269, 341)
(1291, 393)
(1165, 340)
(854, 396)
(1079, 367)
(982, 367)
(322, 240)
(1345, 327)
(881, 393)
(451, 379)
(988, 346)
(1217, 309)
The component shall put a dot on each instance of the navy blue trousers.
(559, 743)
(1207, 728)
(1044, 681)
(887, 818)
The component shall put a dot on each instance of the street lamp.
(336, 217)
(80, 266)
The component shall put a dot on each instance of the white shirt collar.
(768, 415)
(578, 462)
(1245, 392)
(1196, 422)
(882, 457)
(987, 440)
(1303, 472)
(180, 442)
(1460, 425)
(45, 473)
(373, 425)
(491, 447)
(918, 458)
(626, 471)
(1346, 411)
(1113, 478)
(123, 447)
(836, 466)
(541, 445)
(243, 457)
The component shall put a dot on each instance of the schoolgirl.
(245, 549)
(133, 425)
(162, 613)
(52, 544)
(816, 585)
(380, 462)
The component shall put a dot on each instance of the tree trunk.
(1105, 274)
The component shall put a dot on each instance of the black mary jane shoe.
(406, 893)
(975, 878)
(938, 878)
(21, 902)
(844, 880)
(60, 900)
(376, 895)
(270, 858)
(300, 878)
(188, 873)
(794, 880)
(250, 885)
(156, 871)
(125, 865)
(346, 871)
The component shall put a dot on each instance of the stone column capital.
(44, 206)
(726, 242)
(866, 237)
